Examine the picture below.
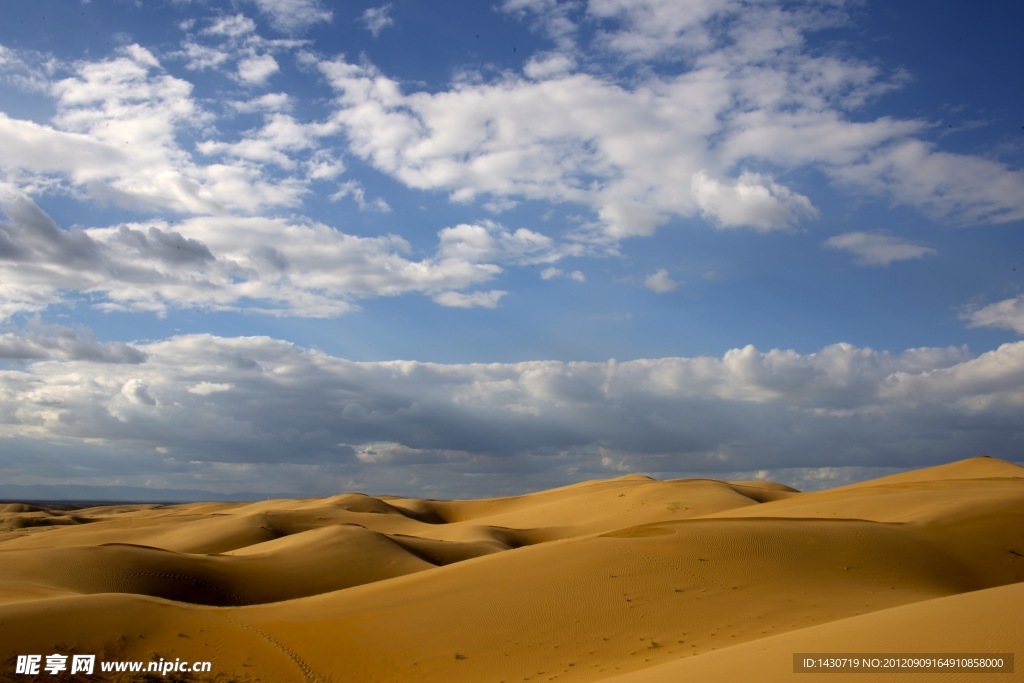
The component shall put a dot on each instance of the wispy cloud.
(551, 273)
(878, 249)
(1007, 314)
(294, 16)
(488, 299)
(377, 19)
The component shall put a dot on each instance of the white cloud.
(199, 57)
(552, 273)
(262, 265)
(377, 19)
(26, 70)
(257, 70)
(354, 189)
(115, 137)
(959, 188)
(488, 240)
(271, 102)
(234, 26)
(660, 282)
(207, 388)
(275, 143)
(547, 66)
(1008, 314)
(551, 17)
(741, 92)
(659, 28)
(294, 16)
(877, 249)
(752, 200)
(488, 299)
(259, 400)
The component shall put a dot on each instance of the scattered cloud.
(377, 19)
(271, 102)
(488, 299)
(707, 141)
(116, 139)
(26, 70)
(257, 70)
(294, 16)
(878, 249)
(353, 189)
(551, 273)
(660, 282)
(550, 17)
(1007, 314)
(234, 26)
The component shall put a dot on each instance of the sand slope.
(621, 579)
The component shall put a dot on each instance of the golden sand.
(627, 579)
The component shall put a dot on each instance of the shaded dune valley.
(627, 579)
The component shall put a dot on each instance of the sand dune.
(624, 579)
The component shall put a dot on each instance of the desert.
(626, 579)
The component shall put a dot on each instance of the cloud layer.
(248, 400)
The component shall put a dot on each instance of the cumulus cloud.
(752, 200)
(660, 282)
(877, 249)
(259, 400)
(740, 99)
(115, 138)
(257, 69)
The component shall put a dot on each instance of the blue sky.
(464, 249)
